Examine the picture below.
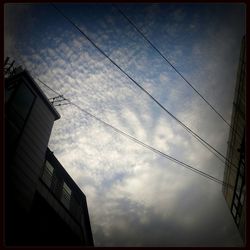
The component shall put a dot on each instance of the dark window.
(48, 174)
(66, 195)
(239, 195)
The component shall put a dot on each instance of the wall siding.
(30, 153)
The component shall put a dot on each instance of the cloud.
(136, 197)
(148, 217)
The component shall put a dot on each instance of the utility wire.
(49, 87)
(193, 169)
(202, 141)
(176, 70)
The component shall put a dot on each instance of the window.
(66, 195)
(48, 174)
(239, 195)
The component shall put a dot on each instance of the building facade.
(235, 174)
(37, 212)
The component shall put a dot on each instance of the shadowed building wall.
(235, 174)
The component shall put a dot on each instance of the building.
(235, 174)
(43, 205)
(62, 198)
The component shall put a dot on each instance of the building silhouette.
(235, 174)
(43, 205)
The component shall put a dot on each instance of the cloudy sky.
(136, 197)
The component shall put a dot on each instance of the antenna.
(58, 100)
(10, 69)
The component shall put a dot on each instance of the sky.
(136, 197)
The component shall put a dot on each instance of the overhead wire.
(202, 141)
(191, 168)
(176, 70)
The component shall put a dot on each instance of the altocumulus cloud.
(135, 197)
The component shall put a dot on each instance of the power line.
(176, 70)
(202, 141)
(49, 87)
(191, 168)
